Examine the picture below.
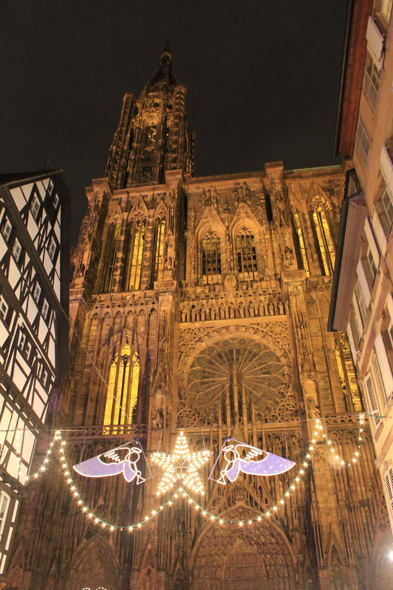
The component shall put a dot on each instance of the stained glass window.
(301, 243)
(122, 388)
(246, 252)
(112, 244)
(325, 241)
(211, 256)
(133, 256)
(159, 250)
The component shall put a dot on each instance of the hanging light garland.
(196, 459)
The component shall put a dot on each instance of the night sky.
(262, 77)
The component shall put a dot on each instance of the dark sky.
(262, 77)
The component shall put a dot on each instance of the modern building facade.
(200, 305)
(34, 262)
(362, 301)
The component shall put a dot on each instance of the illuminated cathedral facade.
(200, 305)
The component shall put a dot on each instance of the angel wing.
(118, 460)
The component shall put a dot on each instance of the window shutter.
(371, 242)
(375, 42)
(363, 283)
(379, 232)
(372, 400)
(384, 365)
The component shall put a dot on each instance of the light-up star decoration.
(181, 466)
(245, 458)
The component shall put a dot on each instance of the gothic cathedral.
(200, 305)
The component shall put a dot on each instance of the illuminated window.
(245, 252)
(211, 256)
(299, 242)
(122, 388)
(133, 258)
(159, 250)
(35, 206)
(325, 241)
(112, 243)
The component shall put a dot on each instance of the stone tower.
(200, 305)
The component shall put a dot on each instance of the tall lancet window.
(245, 252)
(300, 245)
(325, 241)
(211, 257)
(132, 271)
(122, 392)
(112, 244)
(159, 246)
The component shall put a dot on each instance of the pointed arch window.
(245, 252)
(159, 246)
(123, 385)
(300, 245)
(211, 256)
(135, 239)
(327, 250)
(112, 244)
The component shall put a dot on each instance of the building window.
(325, 241)
(246, 252)
(347, 373)
(371, 81)
(300, 246)
(22, 341)
(362, 143)
(122, 388)
(50, 187)
(389, 488)
(4, 506)
(27, 350)
(3, 309)
(387, 208)
(37, 293)
(45, 309)
(6, 229)
(386, 9)
(35, 206)
(159, 250)
(52, 249)
(211, 256)
(133, 256)
(56, 201)
(372, 400)
(112, 244)
(16, 250)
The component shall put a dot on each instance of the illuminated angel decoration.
(123, 459)
(243, 458)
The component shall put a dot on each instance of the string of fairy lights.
(181, 453)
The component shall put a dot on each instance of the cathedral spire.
(152, 136)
